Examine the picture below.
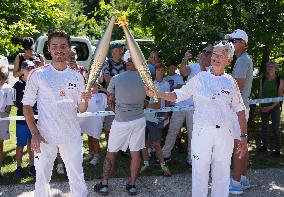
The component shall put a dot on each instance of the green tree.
(31, 17)
(178, 25)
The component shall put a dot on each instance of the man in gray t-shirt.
(243, 74)
(128, 127)
(128, 90)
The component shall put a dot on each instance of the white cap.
(126, 55)
(238, 33)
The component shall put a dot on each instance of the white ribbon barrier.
(164, 109)
(266, 100)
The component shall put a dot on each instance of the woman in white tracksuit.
(215, 96)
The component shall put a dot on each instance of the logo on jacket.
(61, 93)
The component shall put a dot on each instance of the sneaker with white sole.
(245, 183)
(60, 168)
(236, 189)
(95, 160)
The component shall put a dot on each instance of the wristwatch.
(244, 135)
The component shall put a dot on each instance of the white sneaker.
(60, 168)
(95, 160)
(88, 157)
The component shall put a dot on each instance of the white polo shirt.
(57, 94)
(214, 98)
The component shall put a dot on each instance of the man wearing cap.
(114, 65)
(128, 128)
(27, 44)
(243, 74)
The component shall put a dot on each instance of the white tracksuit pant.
(176, 123)
(73, 158)
(211, 146)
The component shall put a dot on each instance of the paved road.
(265, 183)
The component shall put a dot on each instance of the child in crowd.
(154, 123)
(6, 101)
(93, 125)
(23, 133)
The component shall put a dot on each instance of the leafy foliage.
(176, 25)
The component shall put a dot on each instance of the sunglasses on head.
(233, 40)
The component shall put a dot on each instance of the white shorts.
(92, 126)
(124, 134)
(236, 125)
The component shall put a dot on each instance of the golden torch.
(137, 57)
(100, 55)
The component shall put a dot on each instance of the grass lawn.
(177, 164)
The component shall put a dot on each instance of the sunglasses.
(235, 40)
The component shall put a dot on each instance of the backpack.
(278, 84)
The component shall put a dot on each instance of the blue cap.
(116, 45)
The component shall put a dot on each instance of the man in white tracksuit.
(58, 91)
(215, 95)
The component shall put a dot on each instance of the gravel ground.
(268, 182)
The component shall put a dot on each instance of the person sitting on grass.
(6, 100)
(153, 123)
(23, 133)
(93, 125)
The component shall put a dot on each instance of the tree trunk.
(236, 13)
(266, 50)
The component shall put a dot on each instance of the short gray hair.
(228, 47)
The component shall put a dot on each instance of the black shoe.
(19, 173)
(166, 159)
(188, 165)
(263, 149)
(276, 153)
(32, 170)
(131, 189)
(102, 189)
